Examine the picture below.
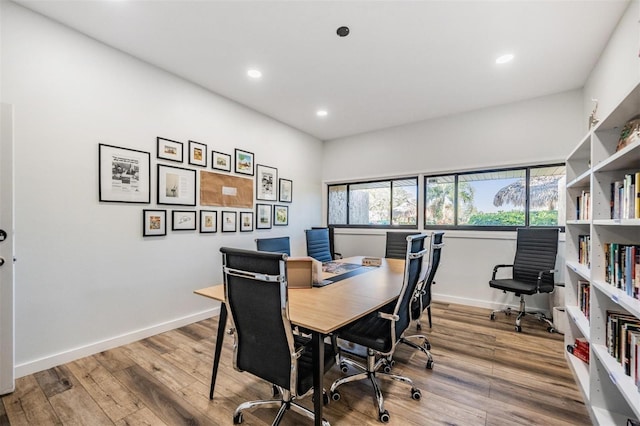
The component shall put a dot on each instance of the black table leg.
(222, 323)
(318, 374)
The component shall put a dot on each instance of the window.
(495, 199)
(383, 203)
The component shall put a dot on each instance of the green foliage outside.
(514, 218)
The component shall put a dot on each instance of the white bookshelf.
(592, 166)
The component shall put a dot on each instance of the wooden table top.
(325, 309)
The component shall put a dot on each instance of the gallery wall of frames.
(208, 192)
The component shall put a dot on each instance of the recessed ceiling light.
(254, 73)
(322, 113)
(504, 58)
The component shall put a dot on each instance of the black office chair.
(318, 244)
(396, 245)
(274, 245)
(533, 269)
(381, 331)
(422, 297)
(265, 346)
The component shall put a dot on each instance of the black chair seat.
(366, 331)
(513, 286)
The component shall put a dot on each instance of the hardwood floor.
(485, 374)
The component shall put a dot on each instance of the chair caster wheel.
(275, 392)
(430, 364)
(325, 398)
(427, 346)
(508, 313)
(492, 317)
(551, 330)
(386, 369)
(418, 327)
(416, 394)
(344, 368)
(518, 328)
(384, 416)
(335, 396)
(237, 419)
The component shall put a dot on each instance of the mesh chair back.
(318, 244)
(274, 245)
(536, 251)
(412, 274)
(256, 297)
(396, 246)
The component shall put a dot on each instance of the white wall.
(618, 68)
(536, 131)
(86, 280)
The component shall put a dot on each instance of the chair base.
(372, 371)
(285, 403)
(522, 313)
(424, 347)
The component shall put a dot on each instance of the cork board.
(217, 189)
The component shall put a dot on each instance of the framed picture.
(280, 215)
(246, 221)
(263, 216)
(154, 223)
(244, 162)
(170, 150)
(266, 181)
(208, 221)
(124, 175)
(176, 185)
(197, 153)
(183, 220)
(229, 221)
(220, 161)
(285, 192)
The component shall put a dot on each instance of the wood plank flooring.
(485, 374)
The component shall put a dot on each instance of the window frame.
(456, 175)
(391, 188)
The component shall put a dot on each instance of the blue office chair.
(274, 245)
(381, 331)
(255, 285)
(318, 245)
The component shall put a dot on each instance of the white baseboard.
(45, 363)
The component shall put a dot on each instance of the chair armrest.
(495, 269)
(337, 256)
(540, 274)
(389, 317)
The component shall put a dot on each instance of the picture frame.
(208, 221)
(170, 150)
(176, 185)
(280, 215)
(244, 162)
(154, 223)
(124, 175)
(263, 216)
(266, 181)
(285, 191)
(183, 220)
(197, 153)
(246, 221)
(229, 220)
(220, 161)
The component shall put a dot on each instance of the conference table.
(323, 310)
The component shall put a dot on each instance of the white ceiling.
(404, 61)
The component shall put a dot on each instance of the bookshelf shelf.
(595, 167)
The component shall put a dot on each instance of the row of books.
(584, 291)
(622, 267)
(623, 342)
(583, 206)
(584, 248)
(580, 349)
(625, 197)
